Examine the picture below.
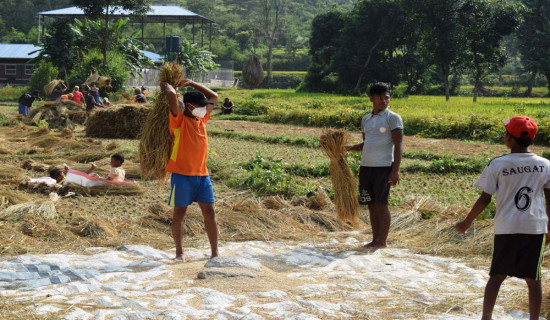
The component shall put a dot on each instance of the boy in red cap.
(522, 181)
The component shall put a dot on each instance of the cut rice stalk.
(333, 142)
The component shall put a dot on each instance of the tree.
(486, 22)
(58, 47)
(196, 59)
(101, 10)
(534, 38)
(323, 45)
(89, 37)
(443, 35)
(369, 43)
(272, 12)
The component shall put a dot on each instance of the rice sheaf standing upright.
(155, 145)
(333, 142)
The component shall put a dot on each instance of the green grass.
(425, 116)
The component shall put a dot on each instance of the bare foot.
(180, 258)
(369, 245)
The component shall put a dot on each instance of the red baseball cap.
(521, 126)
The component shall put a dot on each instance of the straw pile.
(63, 114)
(95, 228)
(156, 142)
(108, 189)
(122, 122)
(253, 74)
(48, 89)
(334, 143)
(45, 210)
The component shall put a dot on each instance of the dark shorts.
(373, 185)
(187, 189)
(518, 255)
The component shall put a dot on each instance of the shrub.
(42, 75)
(6, 122)
(93, 61)
(251, 107)
(9, 93)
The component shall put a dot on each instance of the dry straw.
(334, 143)
(92, 78)
(156, 141)
(104, 82)
(48, 89)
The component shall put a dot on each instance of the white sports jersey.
(518, 180)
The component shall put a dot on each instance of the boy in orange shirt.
(190, 181)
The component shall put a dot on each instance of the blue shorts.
(187, 189)
(23, 109)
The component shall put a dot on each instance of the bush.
(9, 93)
(41, 76)
(6, 122)
(94, 62)
(251, 107)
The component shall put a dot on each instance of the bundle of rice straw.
(127, 96)
(334, 143)
(104, 82)
(48, 89)
(92, 78)
(155, 145)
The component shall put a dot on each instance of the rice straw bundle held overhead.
(92, 78)
(155, 145)
(104, 82)
(334, 143)
(48, 89)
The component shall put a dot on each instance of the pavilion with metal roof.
(159, 13)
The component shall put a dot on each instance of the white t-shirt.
(377, 130)
(117, 173)
(519, 180)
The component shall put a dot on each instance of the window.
(11, 69)
(29, 68)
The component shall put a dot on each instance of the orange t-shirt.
(190, 148)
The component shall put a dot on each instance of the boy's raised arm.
(172, 97)
(480, 205)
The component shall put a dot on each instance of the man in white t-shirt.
(381, 150)
(521, 181)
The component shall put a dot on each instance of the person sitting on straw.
(91, 103)
(382, 149)
(190, 180)
(117, 173)
(139, 97)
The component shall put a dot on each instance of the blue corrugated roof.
(21, 51)
(17, 51)
(155, 57)
(155, 11)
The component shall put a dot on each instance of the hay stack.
(63, 114)
(276, 203)
(45, 210)
(120, 122)
(96, 228)
(334, 143)
(156, 141)
(253, 73)
(319, 200)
